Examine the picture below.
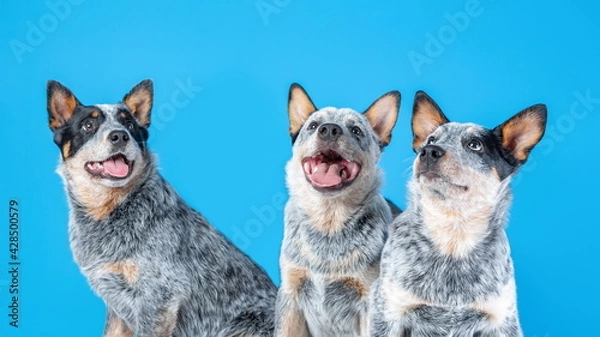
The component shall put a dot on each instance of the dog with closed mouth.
(336, 219)
(159, 265)
(446, 269)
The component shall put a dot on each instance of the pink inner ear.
(60, 108)
(63, 106)
(134, 104)
(300, 108)
(429, 127)
(382, 116)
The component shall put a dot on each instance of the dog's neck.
(456, 224)
(329, 214)
(99, 200)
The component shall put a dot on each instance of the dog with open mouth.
(161, 268)
(336, 219)
(446, 269)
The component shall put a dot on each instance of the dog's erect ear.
(61, 104)
(523, 131)
(139, 101)
(300, 107)
(382, 115)
(427, 116)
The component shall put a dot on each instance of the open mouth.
(328, 170)
(431, 175)
(116, 167)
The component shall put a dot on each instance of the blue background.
(223, 142)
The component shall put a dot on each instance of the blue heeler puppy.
(159, 266)
(336, 219)
(446, 269)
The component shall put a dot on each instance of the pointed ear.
(427, 116)
(523, 131)
(382, 115)
(61, 104)
(139, 101)
(300, 107)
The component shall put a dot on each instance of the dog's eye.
(88, 125)
(313, 125)
(357, 131)
(475, 144)
(129, 126)
(430, 140)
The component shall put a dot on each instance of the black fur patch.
(493, 154)
(139, 133)
(73, 130)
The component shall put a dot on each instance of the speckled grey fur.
(433, 287)
(332, 240)
(159, 265)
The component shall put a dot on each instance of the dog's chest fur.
(152, 246)
(435, 277)
(331, 272)
(469, 290)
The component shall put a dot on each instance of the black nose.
(330, 132)
(431, 153)
(118, 138)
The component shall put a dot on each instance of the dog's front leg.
(158, 318)
(377, 325)
(116, 326)
(289, 319)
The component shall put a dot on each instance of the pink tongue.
(116, 167)
(327, 175)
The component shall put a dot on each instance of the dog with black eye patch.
(446, 269)
(161, 268)
(336, 219)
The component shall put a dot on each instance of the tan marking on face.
(66, 150)
(122, 115)
(95, 114)
(495, 173)
(127, 269)
(398, 301)
(500, 307)
(117, 328)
